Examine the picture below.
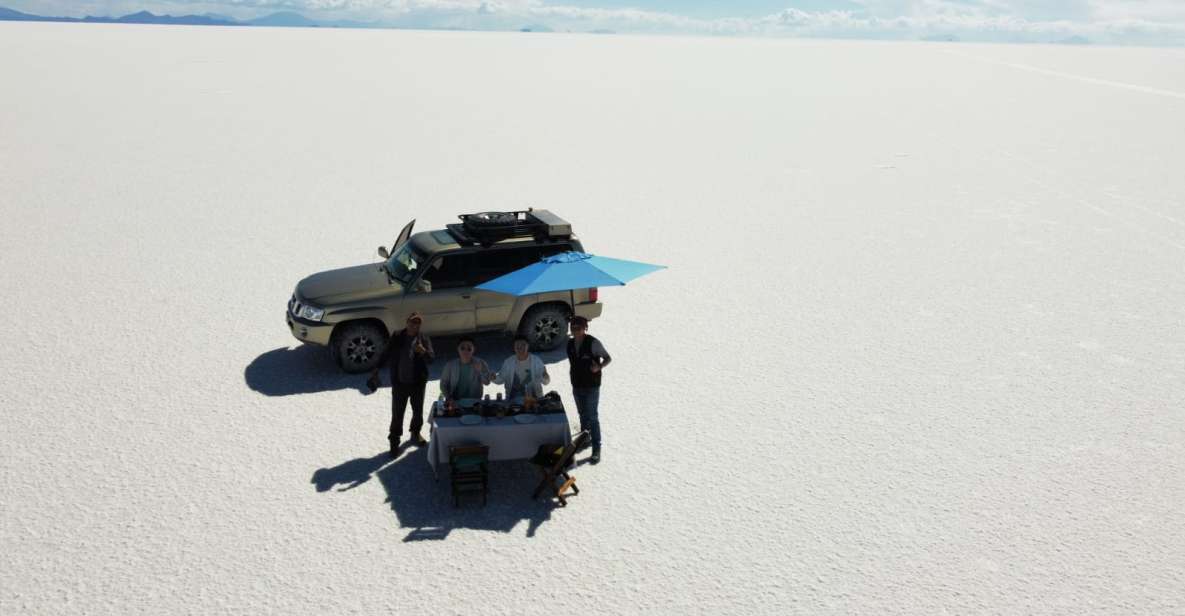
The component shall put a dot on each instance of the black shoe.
(394, 447)
(596, 456)
(418, 440)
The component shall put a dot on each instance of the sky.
(1155, 22)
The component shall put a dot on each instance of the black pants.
(400, 394)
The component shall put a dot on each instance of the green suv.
(354, 310)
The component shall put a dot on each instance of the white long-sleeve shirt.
(531, 369)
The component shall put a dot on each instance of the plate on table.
(470, 420)
(525, 419)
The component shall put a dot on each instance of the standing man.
(407, 356)
(586, 359)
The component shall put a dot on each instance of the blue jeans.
(587, 399)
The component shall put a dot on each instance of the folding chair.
(469, 471)
(553, 462)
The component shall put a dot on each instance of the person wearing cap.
(587, 358)
(407, 356)
(466, 376)
(523, 373)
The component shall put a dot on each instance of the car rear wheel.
(545, 327)
(357, 347)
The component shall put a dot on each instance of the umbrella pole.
(572, 296)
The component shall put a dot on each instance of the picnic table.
(512, 437)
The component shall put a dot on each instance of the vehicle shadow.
(308, 369)
(424, 505)
(305, 369)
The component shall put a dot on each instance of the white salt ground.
(919, 349)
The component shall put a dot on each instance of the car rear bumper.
(308, 331)
(589, 310)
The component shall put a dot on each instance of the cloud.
(989, 20)
(977, 22)
(1103, 21)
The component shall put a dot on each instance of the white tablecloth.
(506, 438)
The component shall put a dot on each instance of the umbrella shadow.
(308, 369)
(423, 504)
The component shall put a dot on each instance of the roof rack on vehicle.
(488, 228)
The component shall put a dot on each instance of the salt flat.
(920, 348)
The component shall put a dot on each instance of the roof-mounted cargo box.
(487, 228)
(556, 226)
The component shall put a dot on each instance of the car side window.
(494, 263)
(490, 264)
(535, 253)
(450, 271)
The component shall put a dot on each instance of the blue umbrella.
(567, 271)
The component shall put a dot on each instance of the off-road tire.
(545, 327)
(491, 219)
(357, 347)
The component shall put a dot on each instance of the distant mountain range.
(290, 19)
(284, 19)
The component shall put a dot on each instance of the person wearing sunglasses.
(466, 376)
(587, 359)
(406, 356)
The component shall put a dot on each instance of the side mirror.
(383, 252)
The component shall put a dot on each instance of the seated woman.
(465, 376)
(523, 373)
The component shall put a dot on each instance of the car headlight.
(311, 313)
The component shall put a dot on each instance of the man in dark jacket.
(586, 359)
(407, 356)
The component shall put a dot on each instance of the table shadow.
(424, 505)
(308, 369)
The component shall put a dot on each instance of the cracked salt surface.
(852, 392)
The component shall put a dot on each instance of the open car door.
(403, 235)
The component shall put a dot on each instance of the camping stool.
(553, 462)
(469, 471)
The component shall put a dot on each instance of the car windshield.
(403, 264)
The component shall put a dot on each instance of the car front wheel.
(545, 327)
(357, 347)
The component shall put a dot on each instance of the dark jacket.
(580, 362)
(399, 350)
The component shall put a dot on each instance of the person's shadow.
(308, 368)
(424, 505)
(421, 503)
